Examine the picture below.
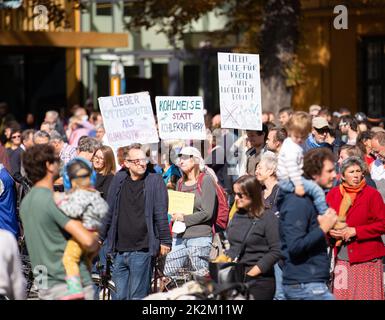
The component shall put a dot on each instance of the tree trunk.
(278, 41)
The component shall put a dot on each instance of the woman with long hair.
(196, 239)
(104, 165)
(254, 238)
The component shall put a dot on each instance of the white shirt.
(290, 162)
(377, 172)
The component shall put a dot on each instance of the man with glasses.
(136, 225)
(349, 127)
(318, 136)
(377, 168)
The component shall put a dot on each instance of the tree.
(269, 27)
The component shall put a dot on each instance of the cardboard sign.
(128, 119)
(240, 91)
(180, 118)
(180, 202)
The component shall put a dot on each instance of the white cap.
(191, 151)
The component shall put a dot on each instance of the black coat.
(156, 207)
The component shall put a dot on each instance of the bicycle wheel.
(106, 289)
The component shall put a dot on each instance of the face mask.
(84, 118)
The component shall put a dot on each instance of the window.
(373, 75)
(104, 8)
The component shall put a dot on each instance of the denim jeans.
(194, 250)
(308, 291)
(279, 294)
(312, 189)
(132, 275)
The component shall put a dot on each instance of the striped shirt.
(290, 162)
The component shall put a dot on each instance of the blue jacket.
(8, 218)
(310, 143)
(156, 206)
(303, 242)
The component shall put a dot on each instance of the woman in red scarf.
(358, 272)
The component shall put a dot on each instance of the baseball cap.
(194, 152)
(319, 123)
(190, 151)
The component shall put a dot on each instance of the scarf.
(349, 194)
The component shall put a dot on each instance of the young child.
(86, 204)
(290, 162)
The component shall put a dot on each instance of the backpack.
(221, 216)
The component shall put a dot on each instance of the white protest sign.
(239, 91)
(180, 118)
(128, 119)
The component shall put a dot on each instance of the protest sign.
(180, 118)
(180, 202)
(128, 119)
(239, 91)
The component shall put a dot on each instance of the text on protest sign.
(239, 91)
(128, 119)
(180, 118)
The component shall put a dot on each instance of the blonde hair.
(300, 123)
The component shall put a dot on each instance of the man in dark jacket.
(136, 225)
(303, 234)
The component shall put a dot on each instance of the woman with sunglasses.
(254, 238)
(14, 153)
(196, 240)
(104, 165)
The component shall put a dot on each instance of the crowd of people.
(302, 203)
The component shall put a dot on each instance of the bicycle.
(103, 279)
(180, 267)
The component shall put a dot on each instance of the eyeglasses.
(14, 137)
(322, 130)
(184, 156)
(239, 194)
(137, 161)
(343, 124)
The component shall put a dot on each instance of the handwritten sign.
(240, 91)
(180, 202)
(128, 119)
(180, 118)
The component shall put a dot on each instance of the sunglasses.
(239, 194)
(322, 130)
(184, 156)
(14, 137)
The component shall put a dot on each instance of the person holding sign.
(196, 239)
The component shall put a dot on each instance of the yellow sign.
(180, 202)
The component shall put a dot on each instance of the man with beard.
(47, 229)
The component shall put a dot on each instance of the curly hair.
(313, 161)
(35, 159)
